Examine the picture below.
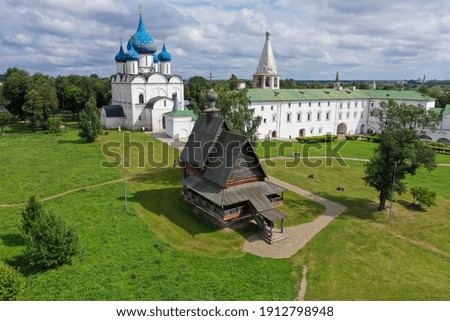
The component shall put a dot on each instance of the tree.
(15, 89)
(41, 103)
(422, 196)
(400, 151)
(5, 119)
(49, 241)
(234, 107)
(392, 114)
(90, 126)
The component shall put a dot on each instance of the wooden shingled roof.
(204, 135)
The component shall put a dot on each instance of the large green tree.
(90, 126)
(400, 151)
(234, 106)
(15, 89)
(41, 103)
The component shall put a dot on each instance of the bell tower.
(266, 76)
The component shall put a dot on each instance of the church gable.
(247, 167)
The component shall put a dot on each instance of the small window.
(355, 114)
(140, 118)
(274, 118)
(318, 116)
(328, 104)
(356, 104)
(319, 103)
(328, 115)
(299, 104)
(348, 105)
(309, 117)
(164, 103)
(371, 104)
(262, 108)
(141, 98)
(288, 117)
(271, 107)
(264, 120)
(299, 117)
(309, 104)
(311, 131)
(341, 105)
(320, 130)
(362, 115)
(347, 116)
(340, 116)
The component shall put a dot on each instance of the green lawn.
(360, 255)
(47, 164)
(341, 148)
(160, 251)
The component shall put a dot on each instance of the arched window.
(141, 98)
(319, 116)
(299, 117)
(288, 117)
(308, 118)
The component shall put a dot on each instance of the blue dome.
(155, 58)
(120, 57)
(164, 55)
(131, 54)
(143, 43)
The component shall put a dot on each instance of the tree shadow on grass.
(12, 239)
(22, 264)
(412, 207)
(357, 207)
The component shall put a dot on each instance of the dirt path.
(67, 192)
(299, 235)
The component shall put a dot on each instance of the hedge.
(317, 139)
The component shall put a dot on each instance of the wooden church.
(223, 178)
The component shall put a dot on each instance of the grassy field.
(341, 148)
(360, 255)
(157, 251)
(160, 251)
(47, 164)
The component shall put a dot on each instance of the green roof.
(332, 94)
(182, 113)
(442, 112)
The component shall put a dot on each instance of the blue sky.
(312, 39)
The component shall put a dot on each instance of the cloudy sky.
(312, 39)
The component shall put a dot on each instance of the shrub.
(10, 282)
(422, 196)
(352, 137)
(53, 124)
(316, 139)
(49, 241)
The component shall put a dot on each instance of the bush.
(53, 124)
(49, 241)
(317, 139)
(352, 137)
(422, 196)
(10, 282)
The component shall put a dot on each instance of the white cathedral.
(145, 94)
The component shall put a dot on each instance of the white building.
(290, 113)
(143, 88)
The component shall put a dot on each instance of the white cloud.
(311, 39)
